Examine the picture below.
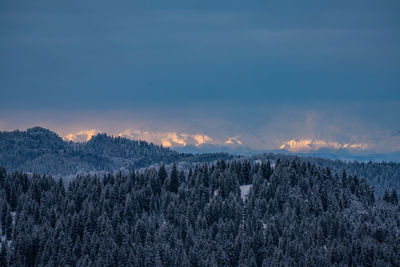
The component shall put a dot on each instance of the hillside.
(294, 214)
(383, 176)
(39, 150)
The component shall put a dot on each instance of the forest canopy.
(294, 214)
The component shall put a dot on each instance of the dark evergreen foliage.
(295, 214)
(39, 150)
(381, 175)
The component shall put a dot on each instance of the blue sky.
(265, 72)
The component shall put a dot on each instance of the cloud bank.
(292, 128)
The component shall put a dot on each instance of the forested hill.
(295, 214)
(381, 175)
(39, 150)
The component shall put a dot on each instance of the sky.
(295, 75)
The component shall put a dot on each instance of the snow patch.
(13, 215)
(216, 192)
(244, 191)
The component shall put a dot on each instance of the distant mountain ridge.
(40, 150)
(328, 153)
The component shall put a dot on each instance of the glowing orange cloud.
(167, 139)
(81, 136)
(295, 145)
(233, 140)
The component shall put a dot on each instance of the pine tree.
(3, 254)
(128, 210)
(162, 174)
(386, 196)
(8, 225)
(173, 183)
(266, 170)
(393, 197)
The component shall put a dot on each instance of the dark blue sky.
(232, 68)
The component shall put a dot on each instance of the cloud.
(81, 136)
(266, 72)
(233, 141)
(202, 139)
(304, 145)
(308, 127)
(169, 138)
